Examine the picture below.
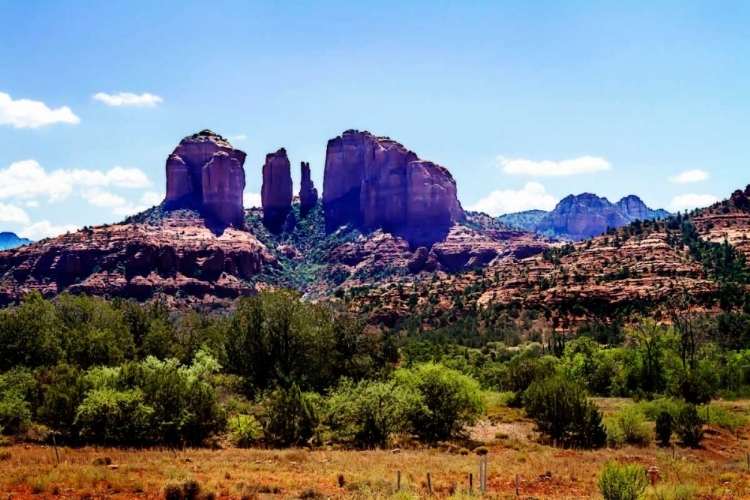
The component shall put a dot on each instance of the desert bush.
(689, 425)
(370, 412)
(562, 413)
(664, 428)
(450, 400)
(634, 428)
(244, 431)
(114, 417)
(622, 482)
(290, 418)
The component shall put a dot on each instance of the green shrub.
(450, 400)
(622, 482)
(635, 431)
(481, 451)
(114, 417)
(720, 416)
(290, 417)
(370, 412)
(693, 388)
(244, 431)
(689, 426)
(664, 428)
(562, 412)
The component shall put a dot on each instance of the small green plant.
(689, 426)
(635, 431)
(664, 428)
(622, 482)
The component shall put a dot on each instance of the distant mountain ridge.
(578, 217)
(11, 240)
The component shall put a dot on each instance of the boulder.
(276, 193)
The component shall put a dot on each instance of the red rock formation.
(206, 173)
(376, 182)
(176, 258)
(308, 195)
(276, 193)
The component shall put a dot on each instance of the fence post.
(486, 463)
(398, 481)
(471, 482)
(516, 484)
(54, 443)
(429, 484)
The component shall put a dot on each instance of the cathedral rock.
(276, 193)
(206, 173)
(373, 182)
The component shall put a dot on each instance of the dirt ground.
(718, 470)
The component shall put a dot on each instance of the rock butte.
(206, 173)
(276, 193)
(375, 182)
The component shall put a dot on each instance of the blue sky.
(524, 102)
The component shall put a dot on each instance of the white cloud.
(251, 200)
(532, 196)
(238, 137)
(148, 200)
(129, 99)
(44, 229)
(32, 204)
(100, 198)
(25, 113)
(13, 214)
(582, 165)
(28, 180)
(127, 178)
(695, 175)
(691, 201)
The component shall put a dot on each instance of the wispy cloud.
(238, 137)
(13, 215)
(24, 113)
(691, 201)
(695, 175)
(532, 196)
(148, 200)
(129, 99)
(546, 168)
(45, 229)
(28, 180)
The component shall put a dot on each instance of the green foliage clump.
(664, 428)
(290, 417)
(450, 400)
(622, 482)
(563, 414)
(634, 428)
(369, 412)
(689, 425)
(245, 431)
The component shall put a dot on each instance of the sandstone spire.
(308, 195)
(276, 193)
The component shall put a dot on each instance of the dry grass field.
(718, 470)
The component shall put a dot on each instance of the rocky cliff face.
(176, 258)
(206, 173)
(373, 182)
(587, 215)
(276, 193)
(308, 195)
